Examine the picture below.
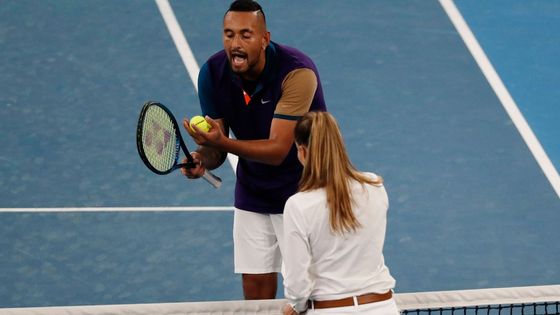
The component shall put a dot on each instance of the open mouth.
(238, 59)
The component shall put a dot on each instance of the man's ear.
(266, 40)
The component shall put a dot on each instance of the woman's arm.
(297, 258)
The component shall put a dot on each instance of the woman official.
(334, 229)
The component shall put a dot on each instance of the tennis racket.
(159, 142)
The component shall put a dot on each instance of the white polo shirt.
(321, 265)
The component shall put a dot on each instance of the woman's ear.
(301, 153)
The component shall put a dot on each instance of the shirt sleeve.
(298, 91)
(297, 258)
(205, 91)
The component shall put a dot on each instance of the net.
(522, 300)
(158, 139)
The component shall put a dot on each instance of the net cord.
(461, 298)
(405, 301)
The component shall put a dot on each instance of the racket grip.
(212, 179)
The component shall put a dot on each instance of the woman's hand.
(289, 310)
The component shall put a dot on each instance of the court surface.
(471, 207)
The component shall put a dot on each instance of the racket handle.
(212, 179)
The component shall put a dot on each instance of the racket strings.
(159, 139)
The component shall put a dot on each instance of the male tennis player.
(257, 89)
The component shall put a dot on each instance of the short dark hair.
(246, 6)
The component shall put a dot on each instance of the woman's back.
(334, 229)
(342, 264)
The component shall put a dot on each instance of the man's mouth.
(238, 59)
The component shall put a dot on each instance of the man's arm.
(269, 151)
(211, 158)
(215, 144)
(298, 90)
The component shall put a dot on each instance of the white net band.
(405, 301)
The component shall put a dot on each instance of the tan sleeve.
(298, 90)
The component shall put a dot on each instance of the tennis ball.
(201, 123)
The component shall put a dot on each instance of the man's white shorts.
(257, 240)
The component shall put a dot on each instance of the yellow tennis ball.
(201, 123)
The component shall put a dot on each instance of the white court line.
(117, 209)
(185, 52)
(501, 91)
(192, 68)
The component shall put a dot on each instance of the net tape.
(521, 300)
(462, 301)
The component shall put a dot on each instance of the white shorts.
(257, 241)
(388, 307)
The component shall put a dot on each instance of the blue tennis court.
(84, 222)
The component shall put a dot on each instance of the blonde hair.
(327, 166)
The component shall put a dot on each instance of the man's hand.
(211, 138)
(194, 172)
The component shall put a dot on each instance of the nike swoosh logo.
(264, 102)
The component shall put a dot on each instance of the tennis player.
(335, 226)
(258, 89)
